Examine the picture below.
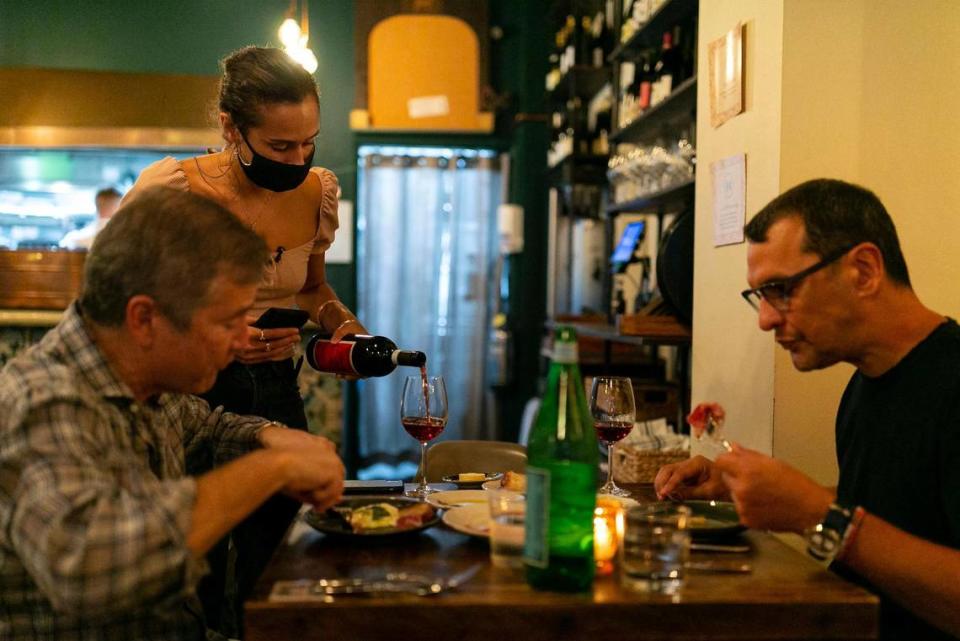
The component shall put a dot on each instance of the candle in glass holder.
(607, 524)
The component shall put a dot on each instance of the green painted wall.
(189, 37)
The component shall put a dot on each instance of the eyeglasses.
(777, 292)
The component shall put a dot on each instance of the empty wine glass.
(423, 413)
(613, 410)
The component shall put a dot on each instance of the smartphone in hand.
(281, 317)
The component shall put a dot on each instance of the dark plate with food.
(373, 517)
(713, 519)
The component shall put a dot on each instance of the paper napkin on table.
(656, 435)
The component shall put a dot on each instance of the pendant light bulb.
(309, 61)
(289, 32)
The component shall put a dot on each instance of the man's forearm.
(918, 574)
(230, 493)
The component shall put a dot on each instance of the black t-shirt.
(898, 446)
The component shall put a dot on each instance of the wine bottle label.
(336, 358)
(536, 544)
(644, 98)
(564, 352)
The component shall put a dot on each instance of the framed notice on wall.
(725, 75)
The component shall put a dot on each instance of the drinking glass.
(656, 546)
(613, 410)
(423, 413)
(507, 520)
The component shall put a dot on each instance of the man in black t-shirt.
(829, 279)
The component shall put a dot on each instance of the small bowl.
(487, 476)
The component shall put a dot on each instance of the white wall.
(732, 360)
(863, 90)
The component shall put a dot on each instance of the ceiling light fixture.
(295, 36)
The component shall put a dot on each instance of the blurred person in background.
(102, 530)
(107, 201)
(268, 112)
(828, 277)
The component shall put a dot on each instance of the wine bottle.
(561, 479)
(598, 41)
(570, 46)
(666, 71)
(645, 85)
(360, 355)
(585, 41)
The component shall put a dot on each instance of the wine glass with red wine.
(613, 410)
(423, 413)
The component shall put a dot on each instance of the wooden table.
(787, 596)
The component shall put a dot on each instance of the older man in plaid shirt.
(102, 533)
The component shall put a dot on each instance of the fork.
(395, 583)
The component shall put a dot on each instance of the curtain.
(426, 249)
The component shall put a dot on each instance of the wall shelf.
(682, 193)
(633, 329)
(577, 169)
(648, 36)
(582, 81)
(680, 105)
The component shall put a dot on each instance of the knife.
(720, 547)
(725, 568)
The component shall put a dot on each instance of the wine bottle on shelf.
(360, 355)
(561, 479)
(686, 44)
(666, 71)
(585, 41)
(628, 97)
(553, 76)
(598, 40)
(600, 145)
(645, 84)
(570, 45)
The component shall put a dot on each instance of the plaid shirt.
(95, 503)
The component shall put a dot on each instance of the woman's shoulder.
(330, 190)
(166, 172)
(328, 180)
(327, 217)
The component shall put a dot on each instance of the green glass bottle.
(562, 458)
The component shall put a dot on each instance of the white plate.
(625, 501)
(473, 485)
(473, 519)
(456, 498)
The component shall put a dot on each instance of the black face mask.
(273, 175)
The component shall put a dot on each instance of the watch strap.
(825, 540)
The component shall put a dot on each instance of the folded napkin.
(656, 435)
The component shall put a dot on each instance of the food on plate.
(471, 477)
(514, 481)
(373, 517)
(382, 516)
(415, 515)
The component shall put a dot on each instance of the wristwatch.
(825, 539)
